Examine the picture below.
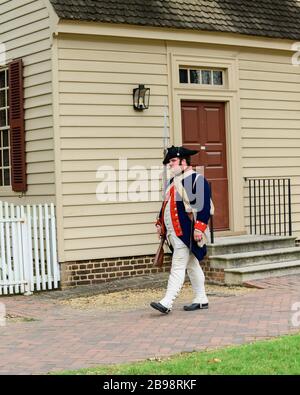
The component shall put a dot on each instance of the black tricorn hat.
(178, 152)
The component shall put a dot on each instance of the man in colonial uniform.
(183, 220)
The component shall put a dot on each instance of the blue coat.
(199, 197)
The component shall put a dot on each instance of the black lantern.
(141, 96)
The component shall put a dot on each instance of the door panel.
(203, 129)
(190, 119)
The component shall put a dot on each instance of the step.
(239, 276)
(254, 258)
(246, 243)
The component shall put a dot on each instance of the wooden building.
(226, 70)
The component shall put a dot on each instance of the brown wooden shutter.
(17, 129)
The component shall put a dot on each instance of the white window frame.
(201, 69)
(5, 128)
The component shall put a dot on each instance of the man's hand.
(198, 235)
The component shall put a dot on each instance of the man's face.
(174, 166)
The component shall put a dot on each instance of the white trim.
(57, 152)
(53, 18)
(172, 34)
(201, 70)
(5, 128)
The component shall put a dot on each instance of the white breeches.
(184, 260)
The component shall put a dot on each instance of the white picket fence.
(28, 254)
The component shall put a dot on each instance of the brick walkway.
(65, 338)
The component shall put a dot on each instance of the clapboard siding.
(91, 165)
(270, 122)
(105, 220)
(89, 176)
(108, 153)
(71, 211)
(108, 251)
(25, 30)
(111, 100)
(107, 88)
(98, 125)
(93, 232)
(109, 242)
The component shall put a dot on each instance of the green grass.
(276, 356)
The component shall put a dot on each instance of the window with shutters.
(5, 168)
(12, 130)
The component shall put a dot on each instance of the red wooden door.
(203, 129)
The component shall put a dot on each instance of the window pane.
(5, 138)
(3, 118)
(2, 99)
(1, 179)
(6, 177)
(218, 77)
(183, 76)
(5, 157)
(206, 77)
(195, 76)
(2, 79)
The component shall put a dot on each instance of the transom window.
(5, 172)
(201, 76)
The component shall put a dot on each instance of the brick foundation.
(108, 269)
(102, 270)
(213, 276)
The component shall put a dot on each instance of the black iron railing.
(270, 206)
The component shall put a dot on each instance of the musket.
(166, 138)
(159, 257)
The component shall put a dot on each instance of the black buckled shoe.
(196, 306)
(160, 307)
